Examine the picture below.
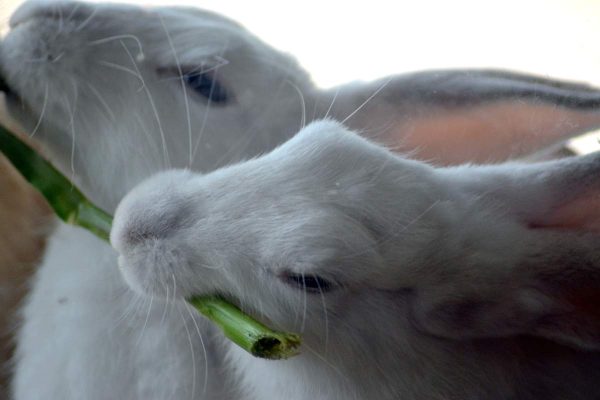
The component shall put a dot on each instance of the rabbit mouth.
(8, 92)
(13, 104)
(4, 88)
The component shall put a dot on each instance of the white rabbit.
(407, 282)
(118, 93)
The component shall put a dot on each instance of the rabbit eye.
(307, 282)
(207, 86)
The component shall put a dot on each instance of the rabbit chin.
(159, 269)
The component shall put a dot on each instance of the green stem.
(255, 338)
(92, 218)
(66, 200)
(74, 208)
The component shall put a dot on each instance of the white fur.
(399, 238)
(91, 336)
(103, 82)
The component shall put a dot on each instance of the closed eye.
(308, 282)
(206, 85)
(202, 82)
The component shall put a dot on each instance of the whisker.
(325, 315)
(302, 103)
(221, 61)
(133, 304)
(201, 67)
(72, 127)
(42, 113)
(376, 175)
(174, 286)
(289, 68)
(404, 228)
(304, 301)
(60, 19)
(154, 109)
(371, 97)
(141, 122)
(209, 102)
(325, 361)
(124, 69)
(188, 308)
(103, 102)
(248, 136)
(189, 336)
(184, 87)
(87, 20)
(145, 322)
(164, 313)
(120, 38)
(174, 302)
(337, 92)
(261, 308)
(139, 305)
(204, 119)
(72, 13)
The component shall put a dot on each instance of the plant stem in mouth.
(252, 336)
(74, 208)
(66, 200)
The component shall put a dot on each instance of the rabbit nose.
(152, 211)
(60, 10)
(145, 223)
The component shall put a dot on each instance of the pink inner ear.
(580, 214)
(488, 133)
(585, 301)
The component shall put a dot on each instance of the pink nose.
(154, 210)
(144, 222)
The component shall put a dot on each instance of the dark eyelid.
(207, 86)
(200, 80)
(309, 282)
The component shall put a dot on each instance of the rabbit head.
(118, 92)
(367, 253)
(151, 87)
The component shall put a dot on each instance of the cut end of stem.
(251, 335)
(277, 347)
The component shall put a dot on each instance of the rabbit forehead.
(192, 36)
(321, 161)
(176, 34)
(294, 218)
(323, 164)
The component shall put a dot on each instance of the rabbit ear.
(561, 194)
(453, 117)
(555, 296)
(540, 276)
(559, 304)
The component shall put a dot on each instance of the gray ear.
(453, 117)
(530, 265)
(558, 301)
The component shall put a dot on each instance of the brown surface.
(23, 223)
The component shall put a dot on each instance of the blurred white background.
(340, 41)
